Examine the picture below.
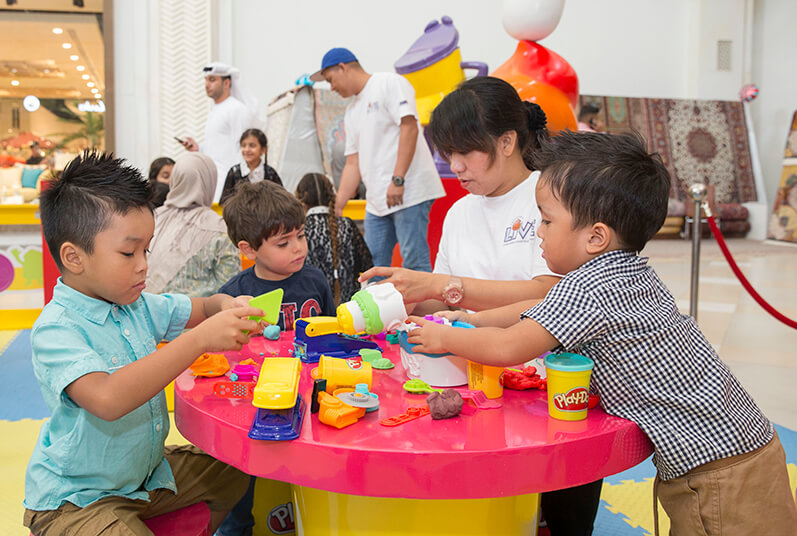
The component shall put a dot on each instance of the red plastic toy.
(234, 389)
(413, 412)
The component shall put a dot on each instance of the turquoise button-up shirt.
(78, 457)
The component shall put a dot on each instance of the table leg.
(317, 511)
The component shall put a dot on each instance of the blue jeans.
(408, 226)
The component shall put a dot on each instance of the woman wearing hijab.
(191, 252)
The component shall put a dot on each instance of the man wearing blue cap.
(385, 149)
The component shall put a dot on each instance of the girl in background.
(160, 171)
(334, 244)
(253, 164)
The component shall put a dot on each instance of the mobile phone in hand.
(181, 142)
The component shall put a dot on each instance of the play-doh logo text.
(575, 399)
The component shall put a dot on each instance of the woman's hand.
(413, 286)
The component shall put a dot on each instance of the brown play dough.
(444, 405)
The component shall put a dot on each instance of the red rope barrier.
(742, 279)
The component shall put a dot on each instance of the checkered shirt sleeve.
(653, 366)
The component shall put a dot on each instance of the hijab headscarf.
(185, 223)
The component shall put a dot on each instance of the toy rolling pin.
(372, 310)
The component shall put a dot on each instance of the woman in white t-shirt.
(488, 134)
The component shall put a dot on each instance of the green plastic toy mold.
(419, 386)
(269, 303)
(375, 358)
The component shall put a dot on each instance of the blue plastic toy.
(319, 335)
(278, 424)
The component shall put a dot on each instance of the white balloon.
(531, 20)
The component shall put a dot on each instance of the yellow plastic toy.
(278, 384)
(342, 372)
(321, 325)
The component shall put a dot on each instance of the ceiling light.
(31, 103)
(85, 76)
(47, 71)
(15, 82)
(80, 68)
(74, 57)
(58, 30)
(89, 84)
(67, 45)
(97, 96)
(95, 90)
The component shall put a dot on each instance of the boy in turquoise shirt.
(99, 465)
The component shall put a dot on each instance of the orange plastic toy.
(522, 73)
(210, 365)
(333, 412)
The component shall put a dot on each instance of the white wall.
(136, 28)
(775, 73)
(645, 48)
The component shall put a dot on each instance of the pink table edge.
(510, 451)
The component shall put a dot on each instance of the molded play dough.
(272, 332)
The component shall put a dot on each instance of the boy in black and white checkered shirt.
(721, 467)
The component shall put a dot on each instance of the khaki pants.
(740, 495)
(199, 478)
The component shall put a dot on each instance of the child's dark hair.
(607, 178)
(315, 190)
(472, 117)
(156, 166)
(260, 136)
(256, 212)
(80, 202)
(256, 133)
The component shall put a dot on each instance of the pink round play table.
(459, 474)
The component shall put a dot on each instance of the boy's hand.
(225, 330)
(428, 336)
(238, 301)
(243, 301)
(455, 316)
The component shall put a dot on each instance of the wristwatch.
(454, 291)
(398, 180)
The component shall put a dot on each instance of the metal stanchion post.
(698, 192)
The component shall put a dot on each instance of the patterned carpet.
(697, 139)
(626, 498)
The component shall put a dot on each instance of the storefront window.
(52, 81)
(52, 85)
